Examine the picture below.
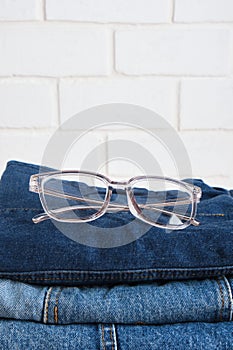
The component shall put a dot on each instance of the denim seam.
(55, 314)
(23, 209)
(228, 287)
(55, 309)
(122, 275)
(222, 299)
(114, 337)
(107, 329)
(111, 337)
(210, 214)
(125, 272)
(49, 291)
(102, 336)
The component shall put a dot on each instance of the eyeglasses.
(82, 196)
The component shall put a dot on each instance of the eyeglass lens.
(82, 196)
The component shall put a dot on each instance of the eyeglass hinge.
(197, 192)
(33, 184)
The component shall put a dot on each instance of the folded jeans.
(208, 300)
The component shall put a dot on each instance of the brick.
(53, 50)
(20, 10)
(140, 153)
(158, 95)
(23, 146)
(27, 103)
(203, 11)
(209, 153)
(206, 104)
(86, 152)
(178, 51)
(129, 11)
(29, 146)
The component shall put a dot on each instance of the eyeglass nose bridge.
(120, 185)
(124, 185)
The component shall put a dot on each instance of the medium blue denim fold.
(208, 300)
(41, 254)
(22, 335)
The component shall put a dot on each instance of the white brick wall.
(210, 153)
(20, 10)
(23, 145)
(58, 57)
(53, 50)
(28, 103)
(206, 104)
(181, 51)
(156, 94)
(203, 11)
(122, 11)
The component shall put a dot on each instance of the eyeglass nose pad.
(133, 207)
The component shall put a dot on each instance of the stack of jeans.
(161, 291)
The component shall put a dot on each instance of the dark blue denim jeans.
(41, 254)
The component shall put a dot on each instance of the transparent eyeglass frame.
(36, 184)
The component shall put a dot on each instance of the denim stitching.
(56, 306)
(119, 272)
(108, 342)
(103, 340)
(114, 337)
(111, 337)
(117, 276)
(209, 214)
(23, 209)
(55, 314)
(47, 304)
(222, 299)
(126, 275)
(228, 286)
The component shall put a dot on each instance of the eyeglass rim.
(36, 183)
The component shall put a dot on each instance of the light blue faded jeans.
(23, 335)
(208, 300)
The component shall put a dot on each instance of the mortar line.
(173, 5)
(58, 100)
(114, 51)
(44, 9)
(178, 106)
(121, 25)
(120, 74)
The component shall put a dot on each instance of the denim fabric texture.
(208, 300)
(22, 335)
(41, 254)
(58, 294)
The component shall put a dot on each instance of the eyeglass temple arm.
(41, 217)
